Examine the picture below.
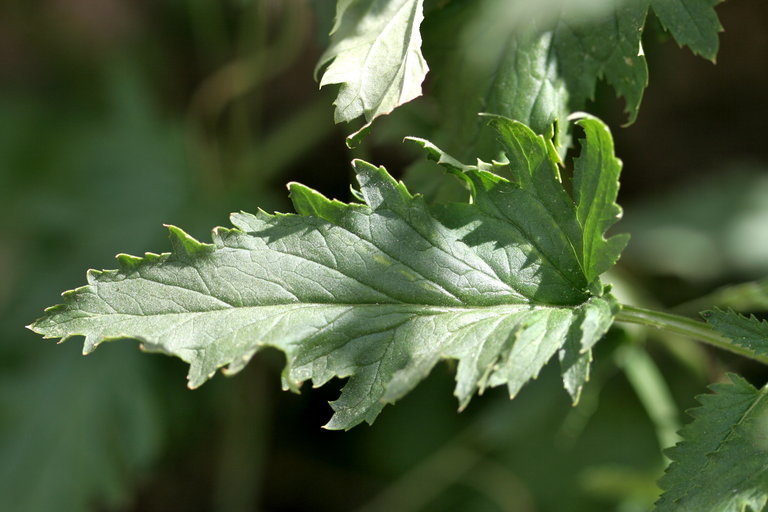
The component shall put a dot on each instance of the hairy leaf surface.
(722, 463)
(379, 291)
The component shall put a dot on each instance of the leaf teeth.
(90, 344)
(185, 246)
(747, 332)
(439, 156)
(128, 262)
(91, 276)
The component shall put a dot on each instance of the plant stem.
(685, 326)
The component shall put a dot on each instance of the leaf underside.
(722, 463)
(375, 54)
(380, 291)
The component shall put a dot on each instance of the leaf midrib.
(430, 307)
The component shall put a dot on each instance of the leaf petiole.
(684, 326)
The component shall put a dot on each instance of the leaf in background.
(586, 41)
(483, 60)
(532, 62)
(378, 292)
(527, 86)
(537, 61)
(748, 332)
(79, 436)
(721, 463)
(607, 47)
(75, 437)
(693, 23)
(375, 54)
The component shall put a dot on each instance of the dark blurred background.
(117, 116)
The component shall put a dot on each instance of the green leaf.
(527, 85)
(532, 162)
(375, 54)
(721, 463)
(692, 22)
(748, 332)
(585, 42)
(537, 61)
(608, 47)
(595, 197)
(378, 292)
(489, 60)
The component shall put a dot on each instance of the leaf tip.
(90, 344)
(353, 140)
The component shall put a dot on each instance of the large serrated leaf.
(378, 292)
(720, 466)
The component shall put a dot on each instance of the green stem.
(685, 326)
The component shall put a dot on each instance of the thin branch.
(685, 326)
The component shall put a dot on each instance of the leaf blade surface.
(721, 463)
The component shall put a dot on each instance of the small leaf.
(378, 292)
(692, 22)
(375, 54)
(721, 463)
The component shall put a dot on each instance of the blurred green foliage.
(118, 116)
